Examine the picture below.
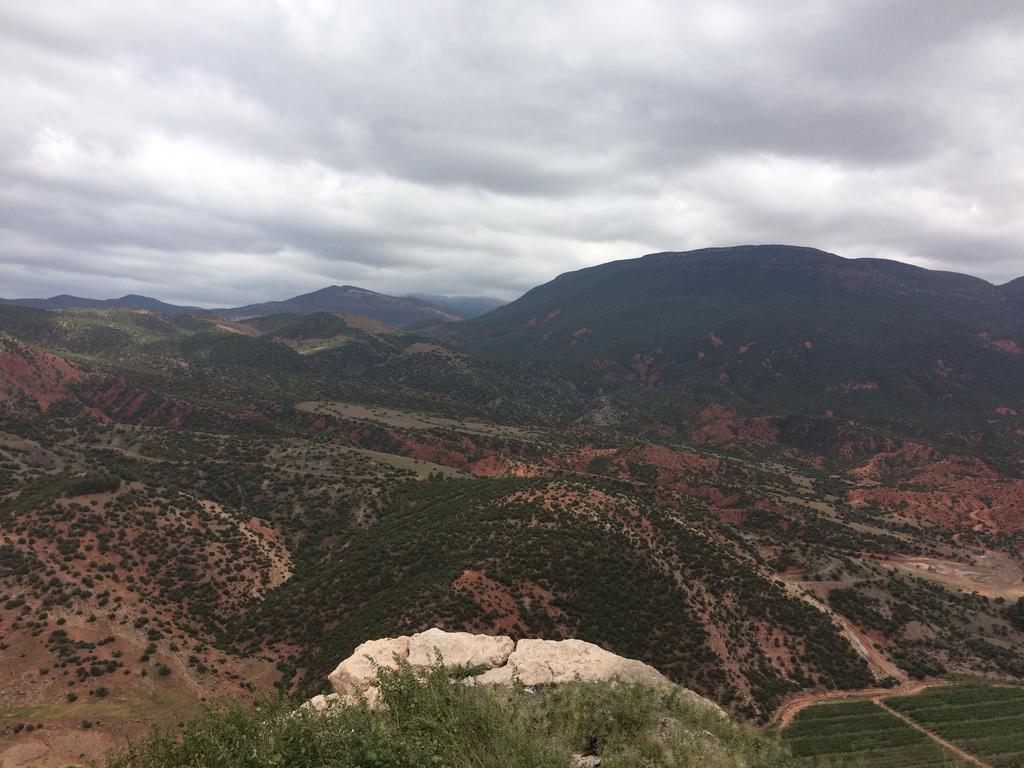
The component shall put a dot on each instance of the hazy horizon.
(220, 153)
(425, 295)
(254, 301)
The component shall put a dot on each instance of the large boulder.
(459, 649)
(531, 662)
(551, 662)
(352, 677)
(554, 662)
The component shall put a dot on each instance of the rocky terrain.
(491, 660)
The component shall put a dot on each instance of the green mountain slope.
(775, 325)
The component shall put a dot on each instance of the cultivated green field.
(859, 733)
(986, 721)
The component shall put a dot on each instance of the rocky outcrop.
(552, 662)
(352, 677)
(498, 661)
(459, 649)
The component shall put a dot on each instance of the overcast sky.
(223, 151)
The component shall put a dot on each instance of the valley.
(196, 507)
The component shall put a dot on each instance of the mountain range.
(131, 301)
(345, 299)
(772, 473)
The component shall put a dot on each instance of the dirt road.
(933, 736)
(784, 715)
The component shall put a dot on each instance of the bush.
(427, 719)
(1016, 614)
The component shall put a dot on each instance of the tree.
(1016, 614)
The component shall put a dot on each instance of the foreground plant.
(425, 719)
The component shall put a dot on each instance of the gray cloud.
(234, 151)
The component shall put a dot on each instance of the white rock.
(459, 649)
(551, 662)
(353, 676)
(321, 703)
(531, 662)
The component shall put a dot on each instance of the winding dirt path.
(857, 639)
(982, 520)
(791, 708)
(966, 756)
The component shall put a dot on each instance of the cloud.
(228, 152)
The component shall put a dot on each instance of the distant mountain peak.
(129, 301)
(350, 300)
(750, 249)
(343, 299)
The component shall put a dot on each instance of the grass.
(409, 420)
(425, 719)
(114, 707)
(859, 733)
(421, 467)
(985, 720)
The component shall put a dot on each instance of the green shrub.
(427, 719)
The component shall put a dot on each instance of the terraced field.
(860, 733)
(986, 721)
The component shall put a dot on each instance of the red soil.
(950, 490)
(31, 373)
(719, 424)
(1003, 345)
